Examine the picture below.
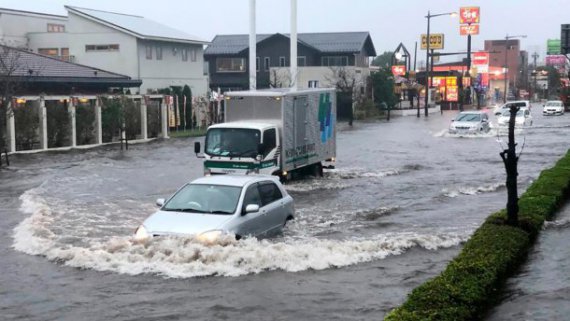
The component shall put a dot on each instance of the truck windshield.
(232, 142)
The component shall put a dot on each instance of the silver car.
(215, 206)
(470, 122)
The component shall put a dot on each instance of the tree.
(187, 92)
(554, 83)
(348, 84)
(383, 87)
(384, 60)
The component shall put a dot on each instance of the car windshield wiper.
(184, 210)
(220, 212)
(249, 151)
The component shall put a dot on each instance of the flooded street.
(403, 198)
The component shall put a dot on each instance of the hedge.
(469, 284)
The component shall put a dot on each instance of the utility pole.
(535, 56)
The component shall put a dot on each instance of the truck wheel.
(318, 170)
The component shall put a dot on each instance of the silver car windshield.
(468, 117)
(203, 198)
(232, 142)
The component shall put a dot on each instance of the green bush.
(471, 281)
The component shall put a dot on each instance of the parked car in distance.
(522, 119)
(223, 205)
(553, 107)
(470, 122)
(520, 103)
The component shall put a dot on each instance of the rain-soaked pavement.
(404, 197)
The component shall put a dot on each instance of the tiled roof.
(138, 26)
(20, 63)
(325, 42)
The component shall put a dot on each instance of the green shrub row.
(469, 284)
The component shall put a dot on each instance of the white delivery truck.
(275, 131)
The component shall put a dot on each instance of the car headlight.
(142, 234)
(209, 236)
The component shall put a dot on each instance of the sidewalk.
(541, 289)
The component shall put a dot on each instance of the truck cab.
(242, 148)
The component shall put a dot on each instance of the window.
(251, 197)
(158, 53)
(282, 62)
(65, 52)
(313, 84)
(184, 54)
(257, 64)
(269, 193)
(301, 61)
(54, 52)
(53, 27)
(148, 52)
(267, 63)
(334, 61)
(230, 64)
(269, 141)
(113, 47)
(193, 55)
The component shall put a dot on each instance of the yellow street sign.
(436, 41)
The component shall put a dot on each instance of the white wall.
(82, 32)
(324, 75)
(48, 40)
(171, 70)
(15, 26)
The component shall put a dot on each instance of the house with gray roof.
(319, 54)
(126, 44)
(138, 47)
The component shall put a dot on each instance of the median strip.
(470, 282)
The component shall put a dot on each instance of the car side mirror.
(160, 202)
(197, 148)
(251, 208)
(452, 120)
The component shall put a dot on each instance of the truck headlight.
(209, 236)
(142, 234)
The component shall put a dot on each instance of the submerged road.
(403, 199)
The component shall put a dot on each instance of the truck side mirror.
(197, 148)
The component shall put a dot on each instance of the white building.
(125, 44)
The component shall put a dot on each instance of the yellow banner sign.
(436, 41)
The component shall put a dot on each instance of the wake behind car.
(213, 206)
(553, 107)
(470, 122)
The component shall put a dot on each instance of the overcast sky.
(388, 21)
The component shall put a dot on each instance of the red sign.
(465, 30)
(468, 15)
(399, 70)
(452, 94)
(481, 58)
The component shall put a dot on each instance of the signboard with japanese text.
(436, 41)
(465, 30)
(556, 60)
(481, 59)
(398, 70)
(553, 46)
(452, 93)
(469, 15)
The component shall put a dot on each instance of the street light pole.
(426, 99)
(429, 16)
(506, 62)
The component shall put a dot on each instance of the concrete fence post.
(71, 110)
(144, 124)
(43, 124)
(98, 122)
(11, 129)
(164, 118)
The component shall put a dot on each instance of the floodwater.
(403, 199)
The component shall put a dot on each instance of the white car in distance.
(523, 118)
(553, 107)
